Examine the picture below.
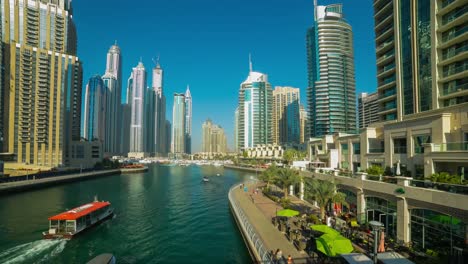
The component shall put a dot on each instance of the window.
(356, 148)
(419, 142)
(399, 145)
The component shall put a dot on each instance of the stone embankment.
(32, 183)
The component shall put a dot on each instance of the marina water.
(165, 215)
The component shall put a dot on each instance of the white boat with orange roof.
(76, 220)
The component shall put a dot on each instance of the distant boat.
(218, 174)
(74, 221)
(205, 179)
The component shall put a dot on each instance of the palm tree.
(269, 175)
(324, 193)
(286, 178)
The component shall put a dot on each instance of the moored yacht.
(76, 220)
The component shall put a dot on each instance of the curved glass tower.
(331, 94)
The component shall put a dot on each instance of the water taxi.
(70, 223)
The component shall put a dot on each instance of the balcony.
(452, 55)
(454, 14)
(447, 37)
(376, 150)
(450, 70)
(454, 89)
(452, 146)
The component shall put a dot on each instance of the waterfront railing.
(249, 231)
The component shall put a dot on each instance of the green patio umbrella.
(445, 219)
(333, 245)
(324, 229)
(287, 212)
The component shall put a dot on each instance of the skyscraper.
(286, 122)
(368, 109)
(95, 115)
(255, 111)
(213, 139)
(303, 120)
(113, 82)
(331, 91)
(41, 116)
(159, 112)
(178, 125)
(420, 56)
(136, 125)
(127, 118)
(188, 121)
(236, 129)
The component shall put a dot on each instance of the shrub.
(314, 219)
(285, 203)
(375, 170)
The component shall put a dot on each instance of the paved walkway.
(259, 211)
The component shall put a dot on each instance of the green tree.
(325, 193)
(289, 155)
(287, 177)
(375, 170)
(269, 175)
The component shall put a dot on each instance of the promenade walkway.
(259, 211)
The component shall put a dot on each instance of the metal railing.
(454, 89)
(250, 231)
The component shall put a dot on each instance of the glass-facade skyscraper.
(178, 125)
(113, 82)
(331, 93)
(420, 48)
(95, 114)
(137, 105)
(188, 121)
(255, 111)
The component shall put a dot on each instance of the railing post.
(403, 181)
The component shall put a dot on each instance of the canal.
(165, 215)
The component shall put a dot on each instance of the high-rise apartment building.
(178, 125)
(41, 80)
(188, 121)
(213, 138)
(286, 122)
(95, 112)
(236, 129)
(168, 136)
(303, 120)
(331, 91)
(255, 111)
(126, 118)
(420, 48)
(113, 82)
(159, 117)
(368, 109)
(137, 104)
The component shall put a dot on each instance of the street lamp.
(377, 228)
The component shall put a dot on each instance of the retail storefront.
(436, 231)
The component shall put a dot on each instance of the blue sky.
(205, 43)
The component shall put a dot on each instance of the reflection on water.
(166, 215)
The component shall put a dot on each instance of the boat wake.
(39, 251)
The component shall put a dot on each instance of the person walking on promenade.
(279, 256)
(290, 261)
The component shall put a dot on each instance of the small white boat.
(218, 174)
(205, 179)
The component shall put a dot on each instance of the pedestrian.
(279, 254)
(290, 261)
(273, 256)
